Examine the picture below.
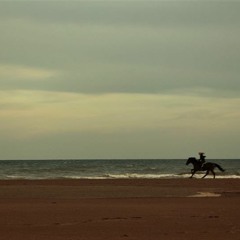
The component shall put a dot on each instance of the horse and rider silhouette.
(201, 165)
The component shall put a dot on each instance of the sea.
(109, 169)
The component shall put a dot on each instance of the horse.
(198, 166)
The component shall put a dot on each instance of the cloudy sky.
(119, 79)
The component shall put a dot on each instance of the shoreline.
(135, 209)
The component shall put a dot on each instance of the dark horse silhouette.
(198, 166)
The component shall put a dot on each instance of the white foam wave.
(146, 176)
(119, 176)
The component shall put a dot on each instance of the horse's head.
(190, 160)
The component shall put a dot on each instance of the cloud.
(43, 124)
(14, 77)
(36, 113)
(114, 12)
(8, 72)
(105, 59)
(137, 50)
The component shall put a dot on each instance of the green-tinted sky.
(119, 79)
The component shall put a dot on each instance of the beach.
(120, 209)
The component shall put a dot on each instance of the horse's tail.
(219, 167)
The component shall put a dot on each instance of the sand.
(120, 209)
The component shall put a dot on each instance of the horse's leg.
(206, 174)
(193, 172)
(213, 173)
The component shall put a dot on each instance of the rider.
(202, 158)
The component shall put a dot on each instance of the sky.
(119, 79)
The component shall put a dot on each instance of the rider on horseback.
(201, 165)
(201, 158)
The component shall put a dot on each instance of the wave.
(117, 176)
(162, 176)
(107, 169)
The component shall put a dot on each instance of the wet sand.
(120, 209)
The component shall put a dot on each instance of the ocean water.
(108, 169)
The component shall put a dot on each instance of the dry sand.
(120, 209)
